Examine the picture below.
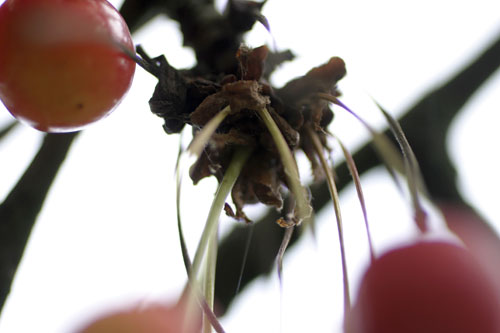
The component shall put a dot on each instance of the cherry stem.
(336, 206)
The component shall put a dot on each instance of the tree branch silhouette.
(20, 209)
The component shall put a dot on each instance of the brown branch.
(425, 125)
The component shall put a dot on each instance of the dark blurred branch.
(7, 129)
(425, 124)
(214, 37)
(19, 210)
(138, 12)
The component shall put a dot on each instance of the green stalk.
(387, 151)
(406, 165)
(232, 173)
(208, 242)
(209, 287)
(336, 205)
(304, 209)
(357, 183)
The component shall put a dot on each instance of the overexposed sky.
(107, 236)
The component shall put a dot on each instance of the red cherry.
(431, 287)
(151, 319)
(61, 64)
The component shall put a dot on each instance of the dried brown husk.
(294, 108)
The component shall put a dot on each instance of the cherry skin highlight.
(62, 64)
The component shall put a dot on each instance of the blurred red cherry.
(426, 287)
(62, 64)
(477, 235)
(150, 319)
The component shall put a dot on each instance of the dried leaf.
(234, 137)
(259, 182)
(319, 79)
(203, 137)
(252, 62)
(169, 97)
(229, 211)
(208, 164)
(275, 59)
(208, 109)
(245, 95)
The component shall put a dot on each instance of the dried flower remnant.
(313, 113)
(263, 176)
(183, 98)
(241, 110)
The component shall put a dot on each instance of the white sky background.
(107, 236)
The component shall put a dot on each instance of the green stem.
(232, 173)
(335, 199)
(351, 165)
(209, 288)
(209, 235)
(304, 209)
